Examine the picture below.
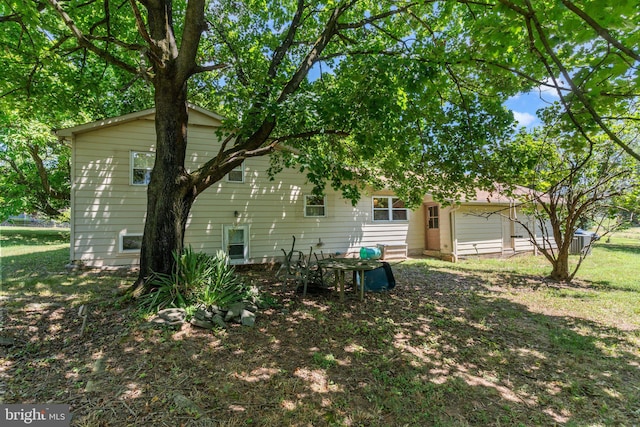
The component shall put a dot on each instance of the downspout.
(454, 236)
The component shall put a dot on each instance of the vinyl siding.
(477, 234)
(478, 230)
(105, 205)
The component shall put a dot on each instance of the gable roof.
(113, 121)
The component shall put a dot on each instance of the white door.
(236, 243)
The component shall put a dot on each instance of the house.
(487, 225)
(247, 214)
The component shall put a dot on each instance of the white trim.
(121, 237)
(239, 168)
(324, 206)
(113, 121)
(389, 210)
(225, 242)
(131, 153)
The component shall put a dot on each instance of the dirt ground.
(442, 348)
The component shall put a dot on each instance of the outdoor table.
(341, 265)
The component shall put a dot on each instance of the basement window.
(130, 242)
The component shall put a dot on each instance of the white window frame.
(389, 209)
(121, 238)
(307, 205)
(225, 242)
(131, 166)
(240, 169)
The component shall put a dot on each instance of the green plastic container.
(370, 253)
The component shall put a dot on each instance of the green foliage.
(369, 93)
(197, 279)
(568, 181)
(222, 287)
(45, 86)
(34, 168)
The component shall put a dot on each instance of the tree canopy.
(406, 94)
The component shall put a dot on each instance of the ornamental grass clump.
(196, 279)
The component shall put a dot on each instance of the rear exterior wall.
(105, 205)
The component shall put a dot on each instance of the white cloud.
(524, 119)
(550, 91)
(514, 98)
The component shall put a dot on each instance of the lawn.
(480, 342)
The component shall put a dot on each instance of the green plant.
(222, 287)
(191, 271)
(197, 279)
(325, 361)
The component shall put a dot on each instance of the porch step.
(393, 251)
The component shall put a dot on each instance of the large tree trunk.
(169, 195)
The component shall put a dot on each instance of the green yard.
(480, 342)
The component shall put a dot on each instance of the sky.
(525, 105)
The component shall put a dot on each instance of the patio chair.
(292, 266)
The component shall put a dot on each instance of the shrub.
(224, 287)
(197, 279)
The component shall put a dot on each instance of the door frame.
(432, 234)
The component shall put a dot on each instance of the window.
(434, 217)
(389, 209)
(130, 242)
(314, 206)
(236, 243)
(237, 174)
(141, 165)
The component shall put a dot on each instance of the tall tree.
(43, 86)
(569, 185)
(34, 170)
(409, 91)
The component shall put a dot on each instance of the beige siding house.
(489, 225)
(247, 214)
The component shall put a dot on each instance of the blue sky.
(524, 106)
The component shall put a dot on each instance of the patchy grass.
(482, 342)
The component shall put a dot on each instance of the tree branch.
(372, 19)
(84, 42)
(281, 51)
(191, 36)
(309, 134)
(530, 18)
(602, 32)
(242, 76)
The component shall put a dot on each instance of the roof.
(112, 121)
(499, 195)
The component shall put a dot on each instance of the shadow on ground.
(442, 348)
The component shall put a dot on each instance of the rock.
(235, 310)
(248, 318)
(218, 321)
(7, 341)
(252, 308)
(170, 317)
(203, 314)
(173, 314)
(206, 324)
(217, 310)
(91, 386)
